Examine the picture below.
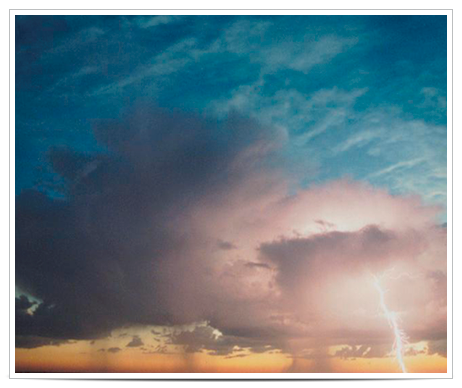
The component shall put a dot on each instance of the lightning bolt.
(392, 318)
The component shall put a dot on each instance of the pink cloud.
(314, 281)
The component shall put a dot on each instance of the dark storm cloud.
(30, 342)
(23, 304)
(315, 276)
(118, 246)
(436, 337)
(298, 259)
(135, 342)
(438, 347)
(207, 339)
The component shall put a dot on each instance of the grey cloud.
(226, 245)
(363, 351)
(413, 352)
(23, 303)
(308, 271)
(236, 356)
(325, 225)
(352, 351)
(31, 341)
(252, 264)
(135, 342)
(439, 347)
(296, 259)
(205, 338)
(438, 281)
(120, 249)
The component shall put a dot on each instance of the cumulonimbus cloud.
(185, 220)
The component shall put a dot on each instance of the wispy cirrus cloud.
(159, 20)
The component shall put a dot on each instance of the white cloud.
(164, 64)
(154, 21)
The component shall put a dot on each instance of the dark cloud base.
(99, 259)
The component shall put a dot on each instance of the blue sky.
(356, 96)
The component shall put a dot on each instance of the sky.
(224, 193)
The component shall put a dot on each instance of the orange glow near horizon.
(78, 358)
